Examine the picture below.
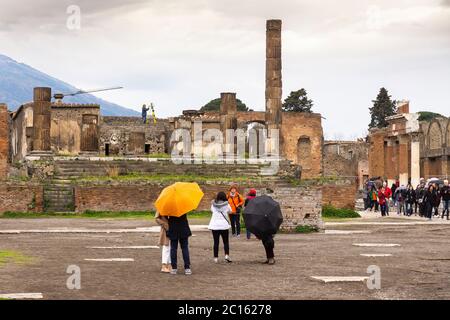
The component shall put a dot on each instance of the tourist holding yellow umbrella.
(175, 201)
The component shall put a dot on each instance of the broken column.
(4, 138)
(41, 119)
(228, 121)
(273, 74)
(228, 110)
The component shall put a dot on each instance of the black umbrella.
(263, 216)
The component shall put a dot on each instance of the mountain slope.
(17, 81)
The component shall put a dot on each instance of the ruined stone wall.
(66, 127)
(344, 158)
(128, 135)
(300, 205)
(340, 193)
(4, 141)
(302, 138)
(21, 132)
(21, 198)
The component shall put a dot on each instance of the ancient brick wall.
(21, 198)
(4, 141)
(377, 154)
(300, 205)
(340, 194)
(305, 129)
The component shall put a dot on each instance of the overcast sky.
(180, 54)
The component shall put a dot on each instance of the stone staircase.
(59, 195)
(73, 169)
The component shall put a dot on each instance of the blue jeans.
(409, 208)
(401, 207)
(144, 118)
(185, 250)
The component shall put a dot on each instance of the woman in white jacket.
(219, 225)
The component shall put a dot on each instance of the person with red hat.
(251, 195)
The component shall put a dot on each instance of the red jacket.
(381, 197)
(387, 192)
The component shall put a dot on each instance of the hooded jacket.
(220, 211)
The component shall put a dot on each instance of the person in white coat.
(219, 225)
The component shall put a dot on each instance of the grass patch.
(136, 176)
(9, 256)
(332, 212)
(97, 215)
(159, 155)
(306, 229)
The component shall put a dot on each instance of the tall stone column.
(41, 119)
(273, 74)
(415, 159)
(4, 141)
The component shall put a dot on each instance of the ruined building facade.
(409, 149)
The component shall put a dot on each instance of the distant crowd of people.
(424, 200)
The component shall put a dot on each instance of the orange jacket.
(235, 202)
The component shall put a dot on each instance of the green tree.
(214, 105)
(298, 101)
(383, 107)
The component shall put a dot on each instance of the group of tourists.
(424, 200)
(226, 211)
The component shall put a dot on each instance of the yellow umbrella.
(178, 199)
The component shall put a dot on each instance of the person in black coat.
(410, 199)
(269, 245)
(179, 232)
(445, 195)
(429, 200)
(437, 202)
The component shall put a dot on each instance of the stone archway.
(434, 137)
(448, 134)
(304, 153)
(255, 138)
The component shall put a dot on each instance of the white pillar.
(415, 160)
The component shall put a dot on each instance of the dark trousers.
(226, 244)
(235, 220)
(269, 245)
(383, 209)
(446, 208)
(184, 244)
(428, 210)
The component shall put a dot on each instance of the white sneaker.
(227, 259)
(216, 260)
(173, 271)
(188, 272)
